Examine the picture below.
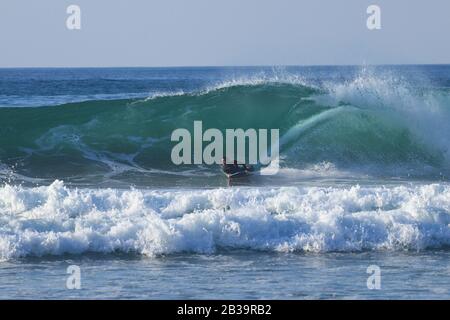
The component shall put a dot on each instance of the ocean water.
(86, 179)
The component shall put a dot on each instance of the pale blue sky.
(226, 32)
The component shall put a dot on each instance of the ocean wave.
(260, 79)
(56, 220)
(372, 121)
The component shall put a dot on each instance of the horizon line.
(226, 66)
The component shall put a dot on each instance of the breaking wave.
(374, 124)
(56, 220)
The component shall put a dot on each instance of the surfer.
(235, 168)
(242, 167)
(228, 168)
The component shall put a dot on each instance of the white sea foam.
(276, 77)
(55, 219)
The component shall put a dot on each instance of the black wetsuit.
(231, 168)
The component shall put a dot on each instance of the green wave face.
(111, 138)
